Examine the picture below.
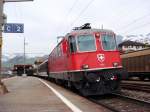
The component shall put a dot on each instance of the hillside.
(6, 62)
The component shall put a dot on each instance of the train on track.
(18, 69)
(137, 63)
(86, 59)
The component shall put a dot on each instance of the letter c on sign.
(8, 28)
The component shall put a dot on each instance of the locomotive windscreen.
(108, 42)
(86, 43)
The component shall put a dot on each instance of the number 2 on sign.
(18, 28)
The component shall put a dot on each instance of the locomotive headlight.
(85, 66)
(115, 64)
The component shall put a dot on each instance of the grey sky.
(46, 19)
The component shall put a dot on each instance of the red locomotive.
(87, 59)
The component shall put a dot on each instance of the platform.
(31, 94)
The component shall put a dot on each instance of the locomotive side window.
(108, 42)
(86, 43)
(72, 44)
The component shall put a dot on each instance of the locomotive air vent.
(85, 26)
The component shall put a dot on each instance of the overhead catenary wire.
(81, 12)
(136, 28)
(134, 21)
(70, 10)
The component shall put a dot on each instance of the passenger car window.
(86, 43)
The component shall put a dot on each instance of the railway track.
(140, 86)
(119, 103)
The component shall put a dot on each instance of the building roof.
(131, 43)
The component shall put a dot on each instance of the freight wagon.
(137, 63)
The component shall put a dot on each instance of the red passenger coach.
(87, 59)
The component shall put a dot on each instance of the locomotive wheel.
(58, 81)
(78, 85)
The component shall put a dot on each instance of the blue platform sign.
(13, 28)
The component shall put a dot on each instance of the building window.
(137, 47)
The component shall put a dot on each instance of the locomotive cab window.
(72, 44)
(108, 42)
(86, 43)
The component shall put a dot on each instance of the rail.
(136, 86)
(120, 103)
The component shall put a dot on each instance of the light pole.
(24, 57)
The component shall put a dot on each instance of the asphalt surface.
(31, 94)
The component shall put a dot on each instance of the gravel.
(136, 94)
